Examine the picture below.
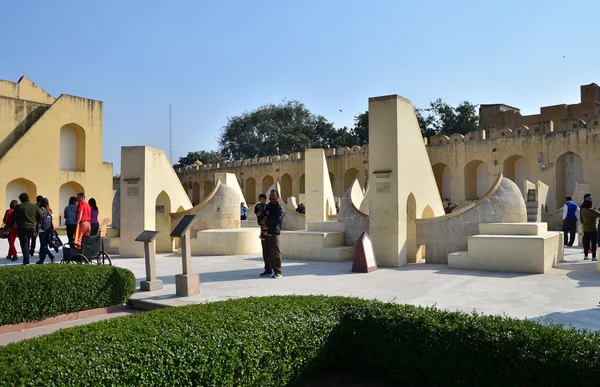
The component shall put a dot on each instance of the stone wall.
(356, 221)
(447, 234)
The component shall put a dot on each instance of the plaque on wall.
(364, 255)
(385, 187)
(183, 225)
(147, 236)
(160, 209)
(133, 191)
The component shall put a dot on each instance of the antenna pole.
(170, 138)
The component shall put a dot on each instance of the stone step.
(513, 228)
(326, 226)
(531, 204)
(337, 254)
(308, 244)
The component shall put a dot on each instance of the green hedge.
(33, 293)
(277, 341)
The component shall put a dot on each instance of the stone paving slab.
(568, 294)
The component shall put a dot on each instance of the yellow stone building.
(52, 147)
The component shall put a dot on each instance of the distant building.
(505, 116)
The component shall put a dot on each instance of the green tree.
(360, 131)
(277, 129)
(206, 157)
(448, 120)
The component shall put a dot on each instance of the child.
(261, 215)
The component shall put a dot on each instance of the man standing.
(83, 217)
(275, 214)
(570, 215)
(450, 207)
(26, 215)
(38, 201)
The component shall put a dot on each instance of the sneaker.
(277, 276)
(41, 262)
(14, 259)
(594, 259)
(586, 258)
(266, 273)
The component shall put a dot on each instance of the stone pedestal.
(155, 284)
(187, 284)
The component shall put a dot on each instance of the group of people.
(29, 221)
(588, 215)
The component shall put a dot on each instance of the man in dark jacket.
(275, 214)
(26, 215)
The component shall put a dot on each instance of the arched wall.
(196, 192)
(250, 193)
(443, 179)
(286, 187)
(349, 177)
(208, 187)
(302, 184)
(267, 182)
(476, 179)
(516, 168)
(72, 148)
(65, 192)
(16, 187)
(569, 171)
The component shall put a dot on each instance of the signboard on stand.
(364, 255)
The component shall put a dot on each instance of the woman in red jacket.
(12, 236)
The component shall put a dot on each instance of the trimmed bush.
(277, 341)
(33, 293)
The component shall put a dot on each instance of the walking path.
(568, 295)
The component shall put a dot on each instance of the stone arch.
(476, 179)
(427, 212)
(65, 192)
(302, 184)
(286, 187)
(332, 181)
(208, 187)
(196, 193)
(250, 193)
(516, 168)
(569, 171)
(267, 182)
(72, 148)
(349, 177)
(443, 178)
(164, 242)
(16, 187)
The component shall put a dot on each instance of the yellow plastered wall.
(150, 191)
(32, 151)
(402, 184)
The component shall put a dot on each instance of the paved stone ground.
(568, 295)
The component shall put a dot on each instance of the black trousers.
(265, 254)
(570, 228)
(32, 249)
(71, 233)
(589, 242)
(94, 227)
(25, 236)
(44, 250)
(273, 252)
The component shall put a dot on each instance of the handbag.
(4, 232)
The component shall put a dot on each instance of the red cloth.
(12, 236)
(7, 215)
(86, 211)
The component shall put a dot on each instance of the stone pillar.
(188, 283)
(400, 176)
(319, 195)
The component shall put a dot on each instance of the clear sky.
(215, 59)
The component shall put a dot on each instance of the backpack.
(47, 222)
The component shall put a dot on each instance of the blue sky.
(215, 59)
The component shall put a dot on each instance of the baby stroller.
(90, 251)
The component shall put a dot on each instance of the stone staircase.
(322, 241)
(511, 247)
(533, 207)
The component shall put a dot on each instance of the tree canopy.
(206, 157)
(290, 127)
